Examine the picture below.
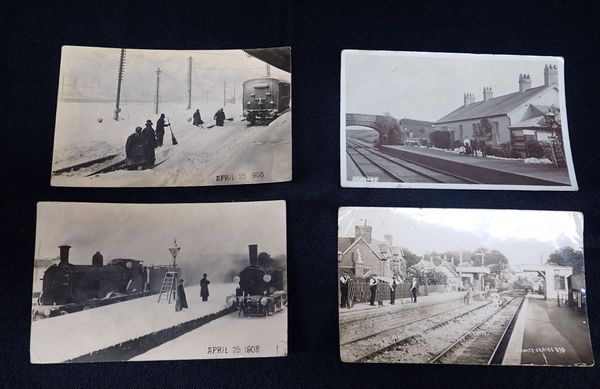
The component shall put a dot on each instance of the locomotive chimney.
(97, 259)
(253, 256)
(64, 253)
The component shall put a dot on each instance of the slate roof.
(496, 106)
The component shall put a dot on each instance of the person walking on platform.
(160, 130)
(219, 117)
(344, 286)
(180, 300)
(467, 298)
(197, 119)
(414, 289)
(204, 287)
(393, 286)
(373, 288)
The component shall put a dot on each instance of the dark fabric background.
(33, 34)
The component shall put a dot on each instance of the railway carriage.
(264, 99)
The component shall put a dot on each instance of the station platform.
(545, 172)
(401, 304)
(546, 334)
(63, 338)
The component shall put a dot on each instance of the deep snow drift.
(261, 154)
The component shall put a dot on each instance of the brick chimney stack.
(469, 98)
(524, 82)
(550, 75)
(487, 93)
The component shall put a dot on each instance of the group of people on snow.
(139, 148)
(377, 289)
(181, 300)
(219, 118)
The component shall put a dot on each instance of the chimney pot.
(64, 253)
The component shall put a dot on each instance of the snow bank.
(541, 161)
(61, 338)
(258, 153)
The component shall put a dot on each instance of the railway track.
(482, 343)
(417, 339)
(99, 166)
(387, 167)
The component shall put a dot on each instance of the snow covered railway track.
(483, 343)
(84, 164)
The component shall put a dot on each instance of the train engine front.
(264, 99)
(261, 288)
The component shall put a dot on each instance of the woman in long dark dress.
(180, 300)
(204, 287)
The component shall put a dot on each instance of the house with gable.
(493, 118)
(362, 256)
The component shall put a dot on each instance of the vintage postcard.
(149, 118)
(140, 282)
(462, 286)
(454, 121)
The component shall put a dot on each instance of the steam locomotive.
(261, 287)
(67, 287)
(264, 99)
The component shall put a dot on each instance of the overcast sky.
(522, 236)
(428, 87)
(94, 71)
(146, 231)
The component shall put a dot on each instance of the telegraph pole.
(158, 72)
(119, 80)
(189, 83)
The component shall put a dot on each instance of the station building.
(555, 279)
(516, 114)
(362, 256)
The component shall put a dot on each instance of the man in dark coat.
(160, 130)
(373, 289)
(149, 144)
(219, 117)
(198, 119)
(134, 149)
(204, 287)
(482, 147)
(393, 286)
(180, 300)
(344, 285)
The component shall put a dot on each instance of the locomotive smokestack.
(64, 253)
(253, 256)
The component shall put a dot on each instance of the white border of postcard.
(433, 55)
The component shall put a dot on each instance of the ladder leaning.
(169, 287)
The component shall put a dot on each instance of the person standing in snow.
(180, 300)
(198, 119)
(160, 130)
(204, 287)
(134, 149)
(149, 144)
(219, 117)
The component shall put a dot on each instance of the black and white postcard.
(462, 286)
(148, 118)
(139, 282)
(454, 121)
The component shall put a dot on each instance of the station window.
(559, 282)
